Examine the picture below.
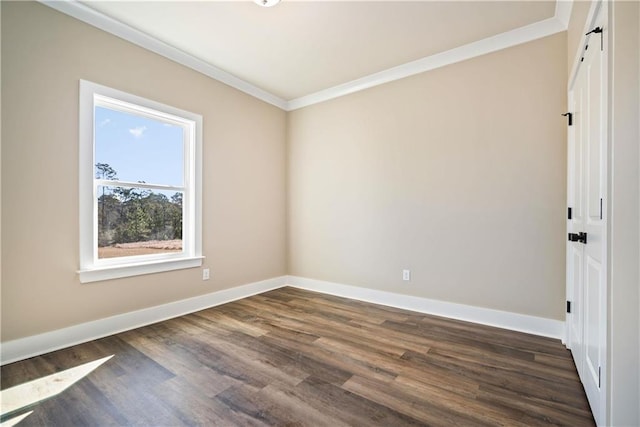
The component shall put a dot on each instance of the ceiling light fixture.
(266, 3)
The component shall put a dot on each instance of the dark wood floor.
(292, 357)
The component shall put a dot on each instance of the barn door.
(587, 195)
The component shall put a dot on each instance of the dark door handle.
(578, 237)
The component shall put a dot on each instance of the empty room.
(320, 213)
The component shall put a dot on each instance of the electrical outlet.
(205, 274)
(406, 275)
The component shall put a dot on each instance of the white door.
(587, 197)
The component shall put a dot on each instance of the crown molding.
(99, 20)
(537, 30)
(563, 12)
(481, 47)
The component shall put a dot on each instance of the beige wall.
(624, 239)
(458, 174)
(44, 54)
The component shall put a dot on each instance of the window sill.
(127, 270)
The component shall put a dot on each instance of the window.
(140, 185)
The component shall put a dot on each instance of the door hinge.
(569, 117)
(599, 376)
(569, 213)
(568, 306)
(601, 208)
(597, 30)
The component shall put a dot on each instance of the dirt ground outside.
(140, 248)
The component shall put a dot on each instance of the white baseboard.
(23, 348)
(485, 316)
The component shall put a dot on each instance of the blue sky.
(138, 148)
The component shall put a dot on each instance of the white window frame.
(92, 268)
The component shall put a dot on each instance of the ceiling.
(299, 48)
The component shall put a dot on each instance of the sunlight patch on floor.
(15, 420)
(32, 392)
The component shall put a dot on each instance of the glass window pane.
(138, 221)
(133, 148)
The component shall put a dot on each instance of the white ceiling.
(299, 48)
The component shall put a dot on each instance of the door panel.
(594, 324)
(592, 320)
(594, 132)
(577, 156)
(575, 324)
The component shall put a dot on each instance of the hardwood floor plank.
(204, 380)
(351, 408)
(291, 357)
(407, 403)
(542, 411)
(549, 389)
(260, 407)
(530, 370)
(453, 401)
(312, 361)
